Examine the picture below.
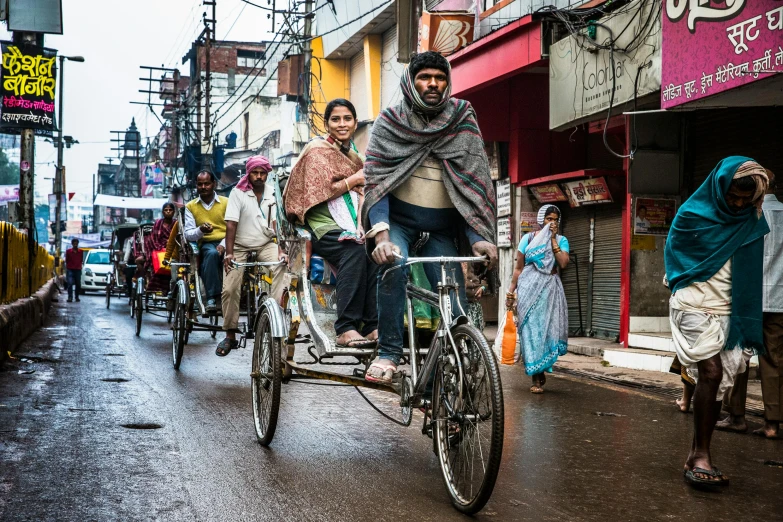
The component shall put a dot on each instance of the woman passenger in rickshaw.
(156, 241)
(325, 193)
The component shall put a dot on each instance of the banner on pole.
(29, 78)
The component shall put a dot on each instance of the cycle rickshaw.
(142, 299)
(463, 410)
(189, 298)
(117, 285)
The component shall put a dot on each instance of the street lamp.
(59, 184)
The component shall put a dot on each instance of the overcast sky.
(115, 37)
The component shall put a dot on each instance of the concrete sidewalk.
(585, 360)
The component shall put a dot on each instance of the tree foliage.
(9, 172)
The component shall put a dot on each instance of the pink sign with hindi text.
(711, 46)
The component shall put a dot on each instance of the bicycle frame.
(442, 299)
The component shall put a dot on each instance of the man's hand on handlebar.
(485, 248)
(384, 249)
(228, 262)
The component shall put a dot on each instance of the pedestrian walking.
(73, 270)
(716, 311)
(771, 361)
(537, 293)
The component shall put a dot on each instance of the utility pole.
(27, 173)
(308, 56)
(210, 34)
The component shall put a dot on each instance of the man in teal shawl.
(714, 267)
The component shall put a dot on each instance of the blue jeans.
(391, 291)
(74, 279)
(211, 269)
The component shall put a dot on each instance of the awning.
(497, 56)
(104, 200)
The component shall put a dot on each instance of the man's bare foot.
(733, 423)
(770, 430)
(372, 336)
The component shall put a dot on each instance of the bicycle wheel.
(468, 430)
(178, 332)
(266, 377)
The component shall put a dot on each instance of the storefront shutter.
(713, 134)
(607, 254)
(576, 228)
(359, 86)
(391, 70)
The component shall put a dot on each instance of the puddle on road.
(115, 379)
(113, 354)
(774, 463)
(142, 426)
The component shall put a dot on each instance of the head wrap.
(706, 233)
(411, 95)
(251, 163)
(547, 209)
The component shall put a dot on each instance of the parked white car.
(96, 269)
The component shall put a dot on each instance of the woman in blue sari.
(537, 292)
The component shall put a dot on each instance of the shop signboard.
(503, 191)
(582, 76)
(504, 232)
(653, 216)
(53, 208)
(152, 176)
(446, 32)
(528, 221)
(28, 84)
(709, 49)
(9, 193)
(587, 192)
(548, 193)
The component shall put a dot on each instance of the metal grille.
(710, 138)
(605, 320)
(359, 87)
(576, 228)
(391, 70)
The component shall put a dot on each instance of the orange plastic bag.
(509, 343)
(157, 263)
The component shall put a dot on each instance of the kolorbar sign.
(581, 79)
(708, 49)
(27, 89)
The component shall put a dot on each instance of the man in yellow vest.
(205, 224)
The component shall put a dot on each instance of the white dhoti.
(698, 336)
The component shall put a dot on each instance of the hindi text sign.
(587, 192)
(548, 193)
(28, 84)
(710, 48)
(504, 197)
(504, 232)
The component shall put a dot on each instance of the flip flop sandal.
(384, 371)
(701, 483)
(358, 343)
(225, 346)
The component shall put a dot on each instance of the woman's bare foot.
(683, 406)
(770, 430)
(352, 339)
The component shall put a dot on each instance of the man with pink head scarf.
(249, 228)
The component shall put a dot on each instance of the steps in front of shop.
(639, 359)
(658, 341)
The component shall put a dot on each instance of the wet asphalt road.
(64, 454)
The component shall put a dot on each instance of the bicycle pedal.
(357, 372)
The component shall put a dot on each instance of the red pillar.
(625, 261)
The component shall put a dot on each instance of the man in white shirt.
(249, 228)
(771, 362)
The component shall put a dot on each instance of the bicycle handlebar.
(259, 263)
(441, 259)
